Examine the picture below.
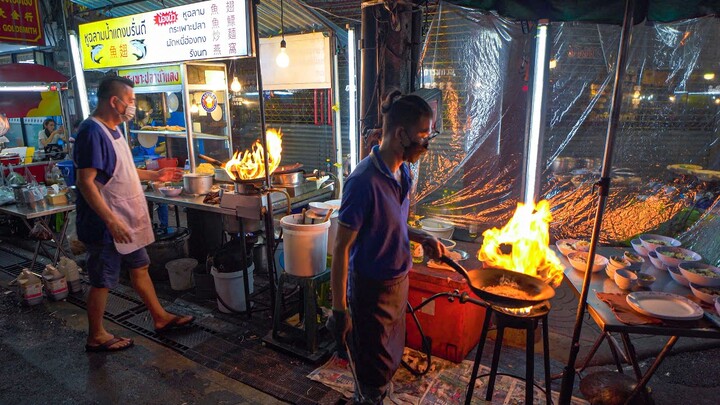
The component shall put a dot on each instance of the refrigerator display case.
(192, 114)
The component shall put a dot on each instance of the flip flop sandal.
(175, 323)
(107, 346)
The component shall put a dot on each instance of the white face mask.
(129, 113)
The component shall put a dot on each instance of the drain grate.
(116, 306)
(187, 337)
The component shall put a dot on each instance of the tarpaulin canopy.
(596, 11)
(25, 103)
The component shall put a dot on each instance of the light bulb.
(282, 59)
(235, 85)
(194, 108)
(709, 76)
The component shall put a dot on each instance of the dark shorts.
(104, 263)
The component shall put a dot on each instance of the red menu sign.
(20, 22)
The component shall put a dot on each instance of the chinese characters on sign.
(20, 22)
(205, 30)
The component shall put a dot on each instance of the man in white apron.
(112, 215)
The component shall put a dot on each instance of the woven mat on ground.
(446, 383)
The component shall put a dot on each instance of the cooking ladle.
(210, 160)
(533, 289)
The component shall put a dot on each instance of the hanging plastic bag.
(40, 232)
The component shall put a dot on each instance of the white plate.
(147, 140)
(664, 305)
(172, 102)
(216, 114)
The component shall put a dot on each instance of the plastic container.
(166, 248)
(230, 288)
(453, 328)
(305, 246)
(67, 168)
(31, 289)
(167, 162)
(55, 283)
(180, 272)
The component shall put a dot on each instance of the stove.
(295, 190)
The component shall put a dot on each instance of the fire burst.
(522, 245)
(251, 164)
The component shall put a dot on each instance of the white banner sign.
(309, 66)
(206, 30)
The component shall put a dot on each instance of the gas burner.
(249, 187)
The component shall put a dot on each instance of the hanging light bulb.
(235, 85)
(194, 108)
(282, 59)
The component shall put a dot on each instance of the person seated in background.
(49, 135)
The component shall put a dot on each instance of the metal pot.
(195, 183)
(289, 178)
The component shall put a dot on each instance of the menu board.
(205, 30)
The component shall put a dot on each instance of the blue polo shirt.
(93, 149)
(376, 206)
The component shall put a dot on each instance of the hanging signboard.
(206, 30)
(153, 76)
(309, 66)
(21, 22)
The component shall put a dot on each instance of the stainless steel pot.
(288, 178)
(195, 183)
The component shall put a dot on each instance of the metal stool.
(308, 308)
(528, 322)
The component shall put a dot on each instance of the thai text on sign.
(153, 76)
(206, 30)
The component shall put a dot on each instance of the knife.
(712, 318)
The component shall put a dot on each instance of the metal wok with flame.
(250, 165)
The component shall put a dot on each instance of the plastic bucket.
(180, 272)
(230, 288)
(67, 168)
(305, 246)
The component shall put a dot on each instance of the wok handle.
(452, 263)
(210, 160)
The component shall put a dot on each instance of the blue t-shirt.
(376, 205)
(93, 149)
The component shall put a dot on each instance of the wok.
(510, 289)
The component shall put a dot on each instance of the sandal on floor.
(108, 346)
(176, 323)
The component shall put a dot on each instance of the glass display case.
(182, 112)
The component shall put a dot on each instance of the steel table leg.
(631, 354)
(653, 367)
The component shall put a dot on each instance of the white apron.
(123, 194)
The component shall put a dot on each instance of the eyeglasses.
(426, 141)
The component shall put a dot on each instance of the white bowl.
(672, 256)
(566, 246)
(320, 207)
(625, 279)
(645, 280)
(335, 204)
(579, 261)
(636, 261)
(717, 305)
(655, 260)
(678, 277)
(651, 241)
(610, 271)
(638, 247)
(706, 294)
(171, 191)
(700, 273)
(437, 228)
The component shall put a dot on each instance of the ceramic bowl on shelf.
(645, 280)
(651, 241)
(678, 277)
(566, 246)
(625, 279)
(706, 294)
(655, 260)
(638, 247)
(673, 256)
(437, 228)
(636, 261)
(700, 274)
(579, 261)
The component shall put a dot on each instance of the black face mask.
(414, 146)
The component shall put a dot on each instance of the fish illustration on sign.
(94, 53)
(140, 50)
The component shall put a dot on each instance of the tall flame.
(251, 164)
(522, 244)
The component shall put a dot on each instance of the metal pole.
(269, 228)
(604, 187)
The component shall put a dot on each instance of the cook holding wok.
(371, 259)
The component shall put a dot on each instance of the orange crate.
(454, 328)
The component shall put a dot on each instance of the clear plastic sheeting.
(471, 173)
(669, 116)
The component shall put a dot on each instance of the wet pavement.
(43, 361)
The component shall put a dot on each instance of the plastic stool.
(308, 308)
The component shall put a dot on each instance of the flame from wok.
(250, 164)
(528, 234)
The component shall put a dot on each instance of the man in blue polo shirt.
(112, 214)
(371, 259)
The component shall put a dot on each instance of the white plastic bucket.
(180, 273)
(305, 246)
(230, 287)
